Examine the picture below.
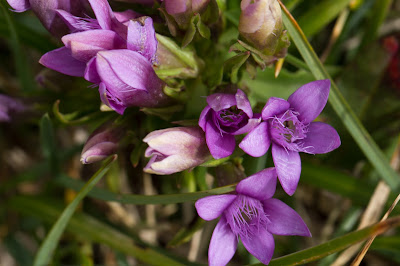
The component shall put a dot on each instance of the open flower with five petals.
(288, 126)
(251, 215)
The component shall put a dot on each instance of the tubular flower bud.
(261, 24)
(176, 149)
(102, 143)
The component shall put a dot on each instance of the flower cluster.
(119, 53)
(115, 52)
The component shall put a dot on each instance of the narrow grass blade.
(142, 199)
(320, 15)
(340, 105)
(335, 245)
(50, 243)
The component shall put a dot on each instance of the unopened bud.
(102, 143)
(261, 24)
(176, 149)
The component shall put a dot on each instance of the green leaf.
(73, 118)
(340, 105)
(106, 195)
(320, 15)
(203, 29)
(233, 64)
(334, 245)
(50, 243)
(191, 31)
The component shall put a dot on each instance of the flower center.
(246, 216)
(288, 131)
(230, 120)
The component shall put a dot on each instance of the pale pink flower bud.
(261, 23)
(102, 143)
(176, 149)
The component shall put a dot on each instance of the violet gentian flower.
(225, 116)
(175, 149)
(102, 143)
(252, 215)
(116, 57)
(288, 125)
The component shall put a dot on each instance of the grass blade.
(335, 245)
(142, 199)
(340, 105)
(50, 243)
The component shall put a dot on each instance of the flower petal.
(251, 124)
(260, 245)
(203, 117)
(130, 78)
(103, 13)
(84, 45)
(126, 16)
(128, 67)
(220, 146)
(220, 101)
(283, 220)
(310, 99)
(91, 72)
(19, 5)
(223, 244)
(142, 39)
(175, 140)
(260, 186)
(62, 61)
(243, 103)
(257, 142)
(210, 208)
(321, 138)
(273, 107)
(288, 167)
(108, 99)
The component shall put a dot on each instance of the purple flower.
(175, 149)
(288, 125)
(225, 116)
(116, 57)
(251, 215)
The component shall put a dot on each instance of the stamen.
(245, 216)
(288, 131)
